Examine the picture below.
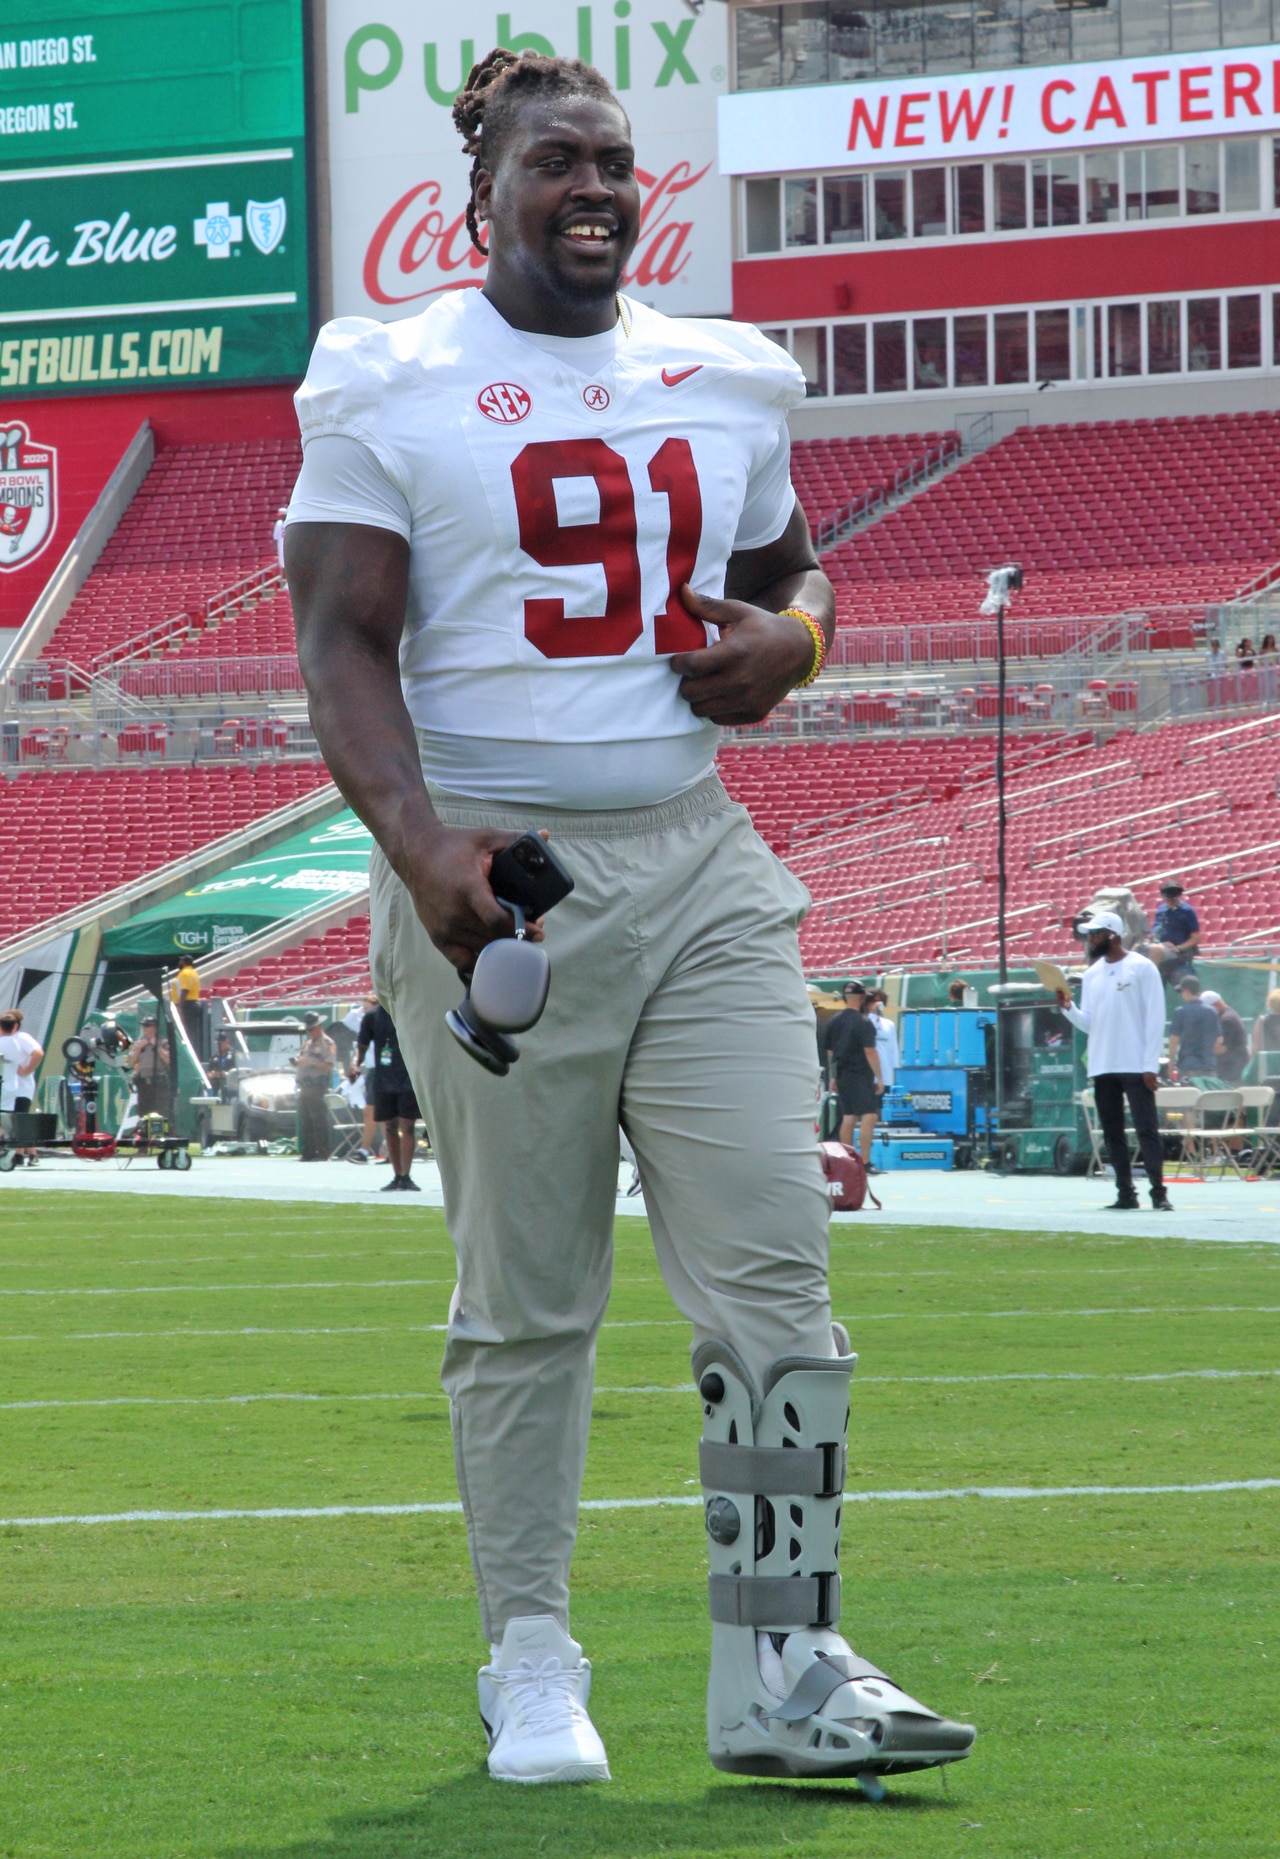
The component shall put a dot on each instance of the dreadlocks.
(485, 109)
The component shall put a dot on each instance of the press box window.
(1012, 349)
(800, 212)
(1055, 192)
(972, 369)
(1053, 345)
(1009, 186)
(890, 346)
(809, 347)
(1244, 332)
(804, 43)
(969, 199)
(849, 357)
(759, 54)
(764, 225)
(1240, 176)
(1204, 334)
(1151, 188)
(929, 351)
(1102, 186)
(1204, 185)
(1164, 338)
(1124, 339)
(891, 206)
(844, 210)
(929, 203)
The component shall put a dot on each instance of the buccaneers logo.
(28, 494)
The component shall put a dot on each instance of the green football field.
(304, 1687)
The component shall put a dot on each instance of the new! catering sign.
(1030, 110)
(399, 179)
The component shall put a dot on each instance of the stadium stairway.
(831, 474)
(200, 522)
(1103, 518)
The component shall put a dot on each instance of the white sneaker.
(533, 1703)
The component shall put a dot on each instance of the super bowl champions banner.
(399, 177)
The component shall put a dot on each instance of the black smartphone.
(528, 873)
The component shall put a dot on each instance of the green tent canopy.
(313, 868)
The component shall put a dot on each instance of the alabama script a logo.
(28, 494)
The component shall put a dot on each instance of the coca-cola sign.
(399, 178)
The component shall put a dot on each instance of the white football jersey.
(555, 496)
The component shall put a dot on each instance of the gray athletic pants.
(677, 1009)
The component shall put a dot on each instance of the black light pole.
(1002, 876)
(1001, 582)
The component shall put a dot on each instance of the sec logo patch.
(504, 401)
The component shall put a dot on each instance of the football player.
(543, 545)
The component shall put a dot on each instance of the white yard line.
(306, 1512)
(684, 1387)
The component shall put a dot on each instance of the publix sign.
(398, 179)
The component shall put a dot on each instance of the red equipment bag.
(847, 1181)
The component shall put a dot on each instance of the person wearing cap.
(1175, 934)
(1122, 1012)
(849, 1042)
(886, 1036)
(1193, 1037)
(314, 1064)
(1231, 1049)
(149, 1062)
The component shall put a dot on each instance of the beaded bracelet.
(819, 642)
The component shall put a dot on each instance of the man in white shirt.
(1122, 1011)
(886, 1037)
(543, 545)
(277, 537)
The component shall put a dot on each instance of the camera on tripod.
(1001, 582)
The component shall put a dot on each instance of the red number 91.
(609, 543)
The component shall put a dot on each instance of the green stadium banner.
(312, 868)
(153, 195)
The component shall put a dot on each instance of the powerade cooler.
(942, 1090)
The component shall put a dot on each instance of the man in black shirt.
(1232, 1048)
(849, 1042)
(1193, 1035)
(394, 1105)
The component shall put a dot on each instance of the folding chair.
(1263, 1136)
(1100, 1160)
(1089, 1110)
(348, 1127)
(1205, 1142)
(1174, 1106)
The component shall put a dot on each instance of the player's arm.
(349, 585)
(762, 653)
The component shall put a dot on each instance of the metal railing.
(893, 893)
(1231, 690)
(332, 981)
(1094, 637)
(260, 585)
(1024, 800)
(114, 736)
(858, 814)
(1148, 823)
(871, 505)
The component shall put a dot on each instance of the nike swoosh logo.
(674, 380)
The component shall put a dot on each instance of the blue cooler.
(938, 1097)
(921, 1150)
